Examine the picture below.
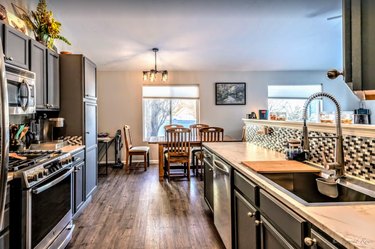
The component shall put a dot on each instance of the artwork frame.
(230, 93)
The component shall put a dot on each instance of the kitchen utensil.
(24, 131)
(16, 156)
(20, 129)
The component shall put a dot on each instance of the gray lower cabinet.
(271, 238)
(79, 196)
(246, 223)
(208, 185)
(318, 241)
(91, 172)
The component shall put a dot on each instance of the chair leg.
(169, 170)
(148, 159)
(145, 161)
(130, 163)
(127, 161)
(194, 164)
(188, 170)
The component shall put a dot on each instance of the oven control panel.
(42, 172)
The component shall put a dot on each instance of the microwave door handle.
(4, 119)
(53, 183)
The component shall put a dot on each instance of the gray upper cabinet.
(45, 63)
(38, 64)
(16, 47)
(90, 79)
(53, 81)
(359, 44)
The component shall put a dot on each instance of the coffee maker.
(362, 116)
(46, 133)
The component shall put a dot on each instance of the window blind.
(293, 91)
(171, 91)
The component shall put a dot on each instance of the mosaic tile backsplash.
(359, 151)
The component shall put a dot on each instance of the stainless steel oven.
(21, 90)
(46, 205)
(48, 211)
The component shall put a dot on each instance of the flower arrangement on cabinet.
(45, 27)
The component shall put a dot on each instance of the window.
(290, 99)
(172, 104)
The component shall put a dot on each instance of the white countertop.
(351, 225)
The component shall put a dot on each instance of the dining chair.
(167, 127)
(195, 130)
(194, 136)
(209, 134)
(135, 150)
(178, 150)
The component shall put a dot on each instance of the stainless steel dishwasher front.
(222, 200)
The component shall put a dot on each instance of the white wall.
(120, 97)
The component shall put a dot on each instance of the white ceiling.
(205, 35)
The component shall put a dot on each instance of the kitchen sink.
(303, 188)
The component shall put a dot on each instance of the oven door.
(21, 97)
(49, 210)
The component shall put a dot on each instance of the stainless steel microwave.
(21, 90)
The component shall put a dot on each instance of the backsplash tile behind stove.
(359, 151)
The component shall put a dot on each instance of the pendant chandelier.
(151, 75)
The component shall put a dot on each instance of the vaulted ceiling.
(204, 35)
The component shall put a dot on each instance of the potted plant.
(45, 27)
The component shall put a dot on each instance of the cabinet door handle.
(209, 169)
(258, 222)
(250, 214)
(87, 132)
(9, 58)
(309, 241)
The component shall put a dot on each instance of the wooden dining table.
(162, 142)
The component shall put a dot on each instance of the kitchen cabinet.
(359, 44)
(53, 80)
(80, 113)
(16, 47)
(90, 80)
(45, 63)
(246, 223)
(38, 64)
(91, 171)
(271, 238)
(208, 185)
(79, 196)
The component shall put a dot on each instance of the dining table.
(161, 141)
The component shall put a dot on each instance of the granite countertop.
(351, 225)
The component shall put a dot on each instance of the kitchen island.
(349, 224)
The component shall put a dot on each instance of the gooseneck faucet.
(339, 164)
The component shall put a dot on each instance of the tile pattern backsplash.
(359, 151)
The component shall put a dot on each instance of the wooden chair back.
(211, 134)
(167, 127)
(178, 141)
(195, 130)
(127, 138)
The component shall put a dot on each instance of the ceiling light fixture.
(151, 75)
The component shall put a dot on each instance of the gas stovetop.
(32, 157)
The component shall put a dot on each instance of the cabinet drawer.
(79, 156)
(286, 220)
(246, 187)
(320, 241)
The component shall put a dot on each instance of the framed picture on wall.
(228, 93)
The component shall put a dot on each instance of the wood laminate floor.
(135, 210)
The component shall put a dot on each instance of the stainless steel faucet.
(339, 164)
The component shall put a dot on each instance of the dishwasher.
(222, 200)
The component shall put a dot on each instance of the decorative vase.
(42, 39)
